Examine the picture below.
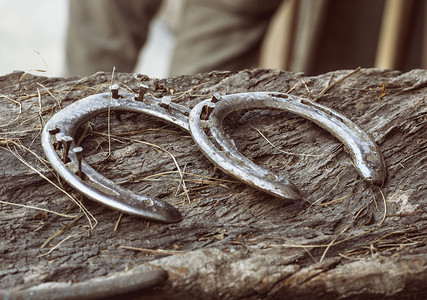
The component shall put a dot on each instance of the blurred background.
(33, 38)
(304, 35)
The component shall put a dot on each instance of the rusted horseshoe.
(60, 131)
(221, 150)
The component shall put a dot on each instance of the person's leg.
(106, 33)
(221, 35)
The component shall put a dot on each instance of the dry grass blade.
(206, 181)
(334, 240)
(182, 183)
(22, 132)
(8, 141)
(354, 219)
(324, 196)
(181, 174)
(387, 235)
(158, 251)
(118, 222)
(59, 244)
(335, 83)
(192, 89)
(46, 67)
(285, 152)
(378, 246)
(109, 113)
(83, 209)
(336, 201)
(201, 178)
(36, 70)
(19, 113)
(296, 85)
(40, 111)
(144, 131)
(38, 208)
(62, 230)
(58, 103)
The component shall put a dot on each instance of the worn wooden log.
(346, 240)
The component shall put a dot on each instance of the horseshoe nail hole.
(284, 96)
(149, 202)
(371, 158)
(270, 177)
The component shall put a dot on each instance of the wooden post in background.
(394, 28)
(277, 45)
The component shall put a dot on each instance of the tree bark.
(346, 240)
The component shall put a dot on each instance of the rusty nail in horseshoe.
(78, 152)
(114, 91)
(66, 144)
(54, 130)
(58, 140)
(165, 102)
(207, 109)
(216, 97)
(142, 90)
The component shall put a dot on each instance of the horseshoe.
(61, 129)
(221, 150)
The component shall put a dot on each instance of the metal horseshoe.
(60, 130)
(221, 150)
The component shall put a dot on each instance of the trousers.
(227, 35)
(212, 35)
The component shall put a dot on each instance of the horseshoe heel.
(95, 186)
(221, 150)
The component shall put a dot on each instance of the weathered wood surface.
(234, 242)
